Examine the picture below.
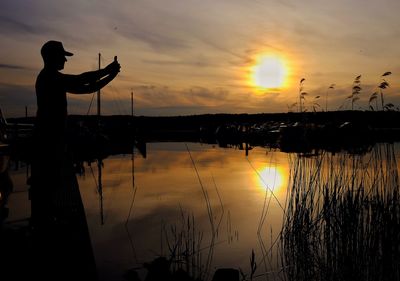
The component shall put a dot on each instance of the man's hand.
(113, 68)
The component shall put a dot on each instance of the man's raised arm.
(91, 81)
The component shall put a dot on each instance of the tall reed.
(342, 220)
(185, 247)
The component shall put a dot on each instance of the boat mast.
(132, 103)
(98, 94)
(99, 160)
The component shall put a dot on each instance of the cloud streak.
(9, 25)
(15, 67)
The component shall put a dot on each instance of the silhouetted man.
(51, 118)
(57, 216)
(52, 87)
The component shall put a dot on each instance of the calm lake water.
(178, 180)
(233, 203)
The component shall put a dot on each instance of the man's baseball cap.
(53, 48)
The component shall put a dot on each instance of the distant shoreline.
(185, 123)
(289, 132)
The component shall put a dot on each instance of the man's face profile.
(54, 54)
(59, 62)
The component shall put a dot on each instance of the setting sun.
(269, 72)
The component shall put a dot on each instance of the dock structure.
(56, 246)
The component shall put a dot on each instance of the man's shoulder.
(46, 75)
(50, 72)
(49, 80)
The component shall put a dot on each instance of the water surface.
(226, 194)
(219, 200)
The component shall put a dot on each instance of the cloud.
(23, 18)
(199, 61)
(155, 40)
(162, 100)
(16, 67)
(166, 96)
(8, 25)
(150, 24)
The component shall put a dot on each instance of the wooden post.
(98, 95)
(132, 103)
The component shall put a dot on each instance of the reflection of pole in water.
(133, 143)
(133, 184)
(100, 189)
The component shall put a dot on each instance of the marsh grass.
(185, 242)
(342, 218)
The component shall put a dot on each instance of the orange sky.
(193, 57)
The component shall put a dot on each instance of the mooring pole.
(98, 94)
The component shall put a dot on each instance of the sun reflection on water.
(272, 178)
